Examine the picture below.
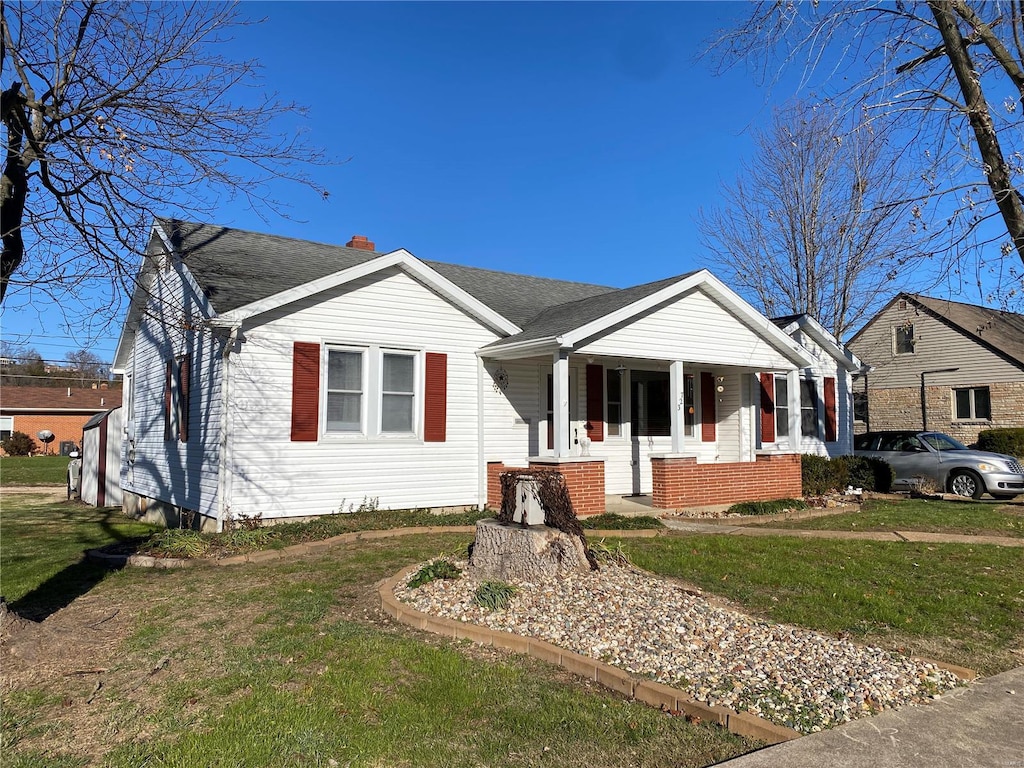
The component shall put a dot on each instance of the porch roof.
(573, 324)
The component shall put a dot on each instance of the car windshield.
(941, 442)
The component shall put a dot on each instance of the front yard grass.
(964, 517)
(962, 604)
(33, 470)
(290, 664)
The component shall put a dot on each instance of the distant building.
(940, 365)
(61, 410)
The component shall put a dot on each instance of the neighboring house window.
(344, 390)
(808, 408)
(860, 406)
(781, 407)
(613, 387)
(649, 401)
(6, 426)
(972, 403)
(903, 339)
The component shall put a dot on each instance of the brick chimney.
(360, 242)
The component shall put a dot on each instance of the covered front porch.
(658, 397)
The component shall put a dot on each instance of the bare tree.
(87, 365)
(810, 224)
(116, 112)
(945, 76)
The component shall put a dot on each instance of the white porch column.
(677, 405)
(795, 432)
(560, 402)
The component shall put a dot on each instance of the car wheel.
(963, 482)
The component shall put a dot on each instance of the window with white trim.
(903, 339)
(371, 391)
(972, 403)
(613, 391)
(781, 406)
(6, 426)
(398, 393)
(345, 384)
(809, 408)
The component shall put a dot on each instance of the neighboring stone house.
(940, 365)
(61, 410)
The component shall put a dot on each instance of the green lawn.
(33, 470)
(41, 547)
(290, 664)
(957, 603)
(968, 517)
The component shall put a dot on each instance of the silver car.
(920, 456)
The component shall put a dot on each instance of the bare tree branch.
(116, 113)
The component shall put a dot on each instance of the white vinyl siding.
(697, 324)
(184, 474)
(277, 477)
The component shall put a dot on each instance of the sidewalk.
(979, 725)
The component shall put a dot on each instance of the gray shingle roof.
(235, 267)
(999, 330)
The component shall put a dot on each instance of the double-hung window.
(808, 408)
(781, 406)
(345, 383)
(371, 391)
(903, 339)
(398, 393)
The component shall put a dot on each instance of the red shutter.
(435, 399)
(707, 407)
(830, 409)
(184, 371)
(595, 402)
(168, 373)
(305, 391)
(767, 407)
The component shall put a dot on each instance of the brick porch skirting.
(585, 479)
(679, 481)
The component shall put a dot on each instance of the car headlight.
(985, 467)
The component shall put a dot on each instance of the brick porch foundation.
(679, 481)
(583, 476)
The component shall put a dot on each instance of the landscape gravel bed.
(658, 629)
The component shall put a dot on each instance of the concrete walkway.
(978, 725)
(696, 526)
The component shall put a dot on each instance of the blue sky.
(570, 140)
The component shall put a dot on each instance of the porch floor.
(640, 506)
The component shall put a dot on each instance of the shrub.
(19, 444)
(820, 476)
(868, 473)
(1009, 441)
(436, 569)
(178, 542)
(771, 507)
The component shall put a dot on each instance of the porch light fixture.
(620, 369)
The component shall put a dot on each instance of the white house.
(283, 378)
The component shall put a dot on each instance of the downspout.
(223, 504)
(481, 456)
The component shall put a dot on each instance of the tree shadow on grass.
(77, 579)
